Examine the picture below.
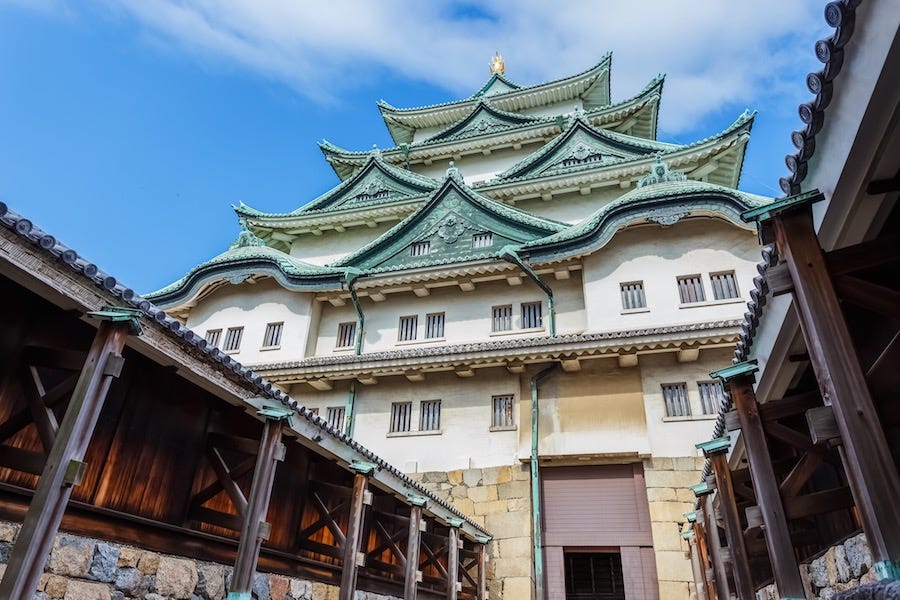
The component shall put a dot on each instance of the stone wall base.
(842, 567)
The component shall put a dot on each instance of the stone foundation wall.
(499, 499)
(667, 481)
(86, 569)
(842, 567)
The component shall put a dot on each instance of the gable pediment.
(484, 119)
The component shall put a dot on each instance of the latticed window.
(633, 295)
(711, 396)
(335, 417)
(233, 339)
(213, 336)
(483, 240)
(434, 325)
(502, 411)
(676, 399)
(408, 328)
(401, 416)
(272, 338)
(690, 288)
(531, 315)
(420, 249)
(430, 415)
(502, 318)
(346, 335)
(724, 285)
(594, 576)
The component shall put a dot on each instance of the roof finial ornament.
(245, 238)
(660, 173)
(497, 64)
(453, 172)
(376, 152)
(577, 112)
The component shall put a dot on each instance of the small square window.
(213, 336)
(501, 318)
(633, 295)
(335, 417)
(690, 289)
(420, 249)
(346, 335)
(401, 416)
(430, 415)
(502, 412)
(711, 396)
(724, 285)
(233, 339)
(483, 240)
(434, 325)
(531, 315)
(408, 329)
(272, 338)
(676, 399)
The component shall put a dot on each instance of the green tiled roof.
(485, 119)
(498, 81)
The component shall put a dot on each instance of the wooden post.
(452, 562)
(765, 485)
(411, 576)
(482, 572)
(697, 568)
(715, 549)
(734, 533)
(64, 466)
(700, 542)
(350, 567)
(870, 469)
(254, 529)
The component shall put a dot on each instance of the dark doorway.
(594, 576)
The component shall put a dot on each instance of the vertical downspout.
(349, 413)
(536, 486)
(509, 254)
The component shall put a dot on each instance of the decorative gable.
(497, 84)
(482, 120)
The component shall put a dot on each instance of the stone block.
(8, 532)
(301, 589)
(176, 577)
(483, 493)
(148, 563)
(132, 582)
(842, 565)
(668, 512)
(670, 479)
(858, 555)
(659, 463)
(518, 504)
(464, 505)
(818, 573)
(517, 587)
(455, 476)
(486, 508)
(320, 591)
(687, 463)
(260, 586)
(128, 557)
(459, 491)
(666, 536)
(521, 472)
(103, 564)
(496, 475)
(54, 586)
(662, 494)
(673, 566)
(673, 590)
(472, 477)
(685, 495)
(82, 590)
(511, 567)
(71, 556)
(210, 582)
(514, 489)
(435, 477)
(508, 525)
(515, 547)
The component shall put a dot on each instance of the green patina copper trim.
(716, 446)
(691, 516)
(363, 468)
(687, 534)
(119, 314)
(277, 413)
(748, 367)
(701, 489)
(887, 569)
(419, 501)
(239, 596)
(767, 212)
(483, 539)
(456, 523)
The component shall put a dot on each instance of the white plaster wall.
(477, 167)
(572, 207)
(332, 245)
(676, 437)
(552, 110)
(253, 306)
(657, 255)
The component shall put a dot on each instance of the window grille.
(233, 339)
(724, 285)
(690, 288)
(531, 315)
(633, 295)
(401, 416)
(335, 417)
(378, 195)
(213, 336)
(589, 159)
(430, 415)
(483, 240)
(711, 396)
(502, 318)
(420, 249)
(434, 325)
(408, 328)
(676, 398)
(502, 414)
(594, 576)
(272, 338)
(346, 335)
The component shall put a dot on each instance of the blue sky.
(129, 127)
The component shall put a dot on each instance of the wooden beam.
(765, 485)
(255, 529)
(734, 532)
(867, 255)
(411, 575)
(802, 471)
(697, 569)
(779, 280)
(453, 543)
(714, 548)
(482, 591)
(817, 503)
(869, 465)
(870, 296)
(349, 566)
(26, 563)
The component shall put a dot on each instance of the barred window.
(676, 399)
(633, 295)
(335, 417)
(502, 411)
(408, 328)
(711, 396)
(502, 318)
(483, 240)
(420, 249)
(531, 315)
(401, 416)
(430, 415)
(724, 285)
(233, 339)
(346, 335)
(434, 325)
(272, 338)
(213, 336)
(690, 288)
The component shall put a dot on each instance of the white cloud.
(716, 53)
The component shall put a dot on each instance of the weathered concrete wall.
(86, 569)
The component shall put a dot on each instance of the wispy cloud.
(716, 53)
